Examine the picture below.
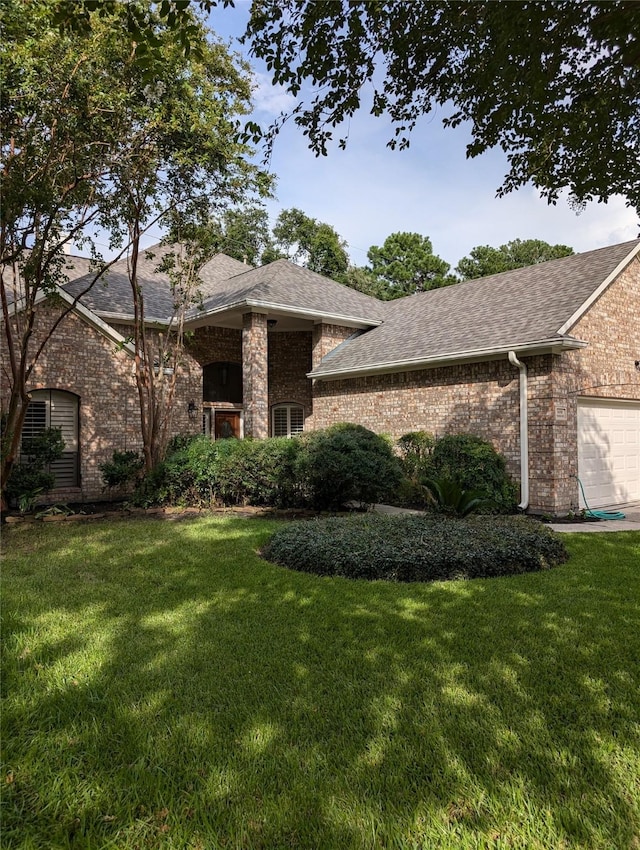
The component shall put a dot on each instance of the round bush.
(416, 548)
(347, 463)
(475, 465)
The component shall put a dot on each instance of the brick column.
(255, 385)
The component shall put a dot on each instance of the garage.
(609, 451)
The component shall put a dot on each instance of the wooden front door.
(227, 424)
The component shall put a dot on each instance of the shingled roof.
(529, 309)
(526, 309)
(110, 296)
(283, 286)
(227, 284)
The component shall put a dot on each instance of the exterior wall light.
(192, 410)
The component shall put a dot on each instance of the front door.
(227, 424)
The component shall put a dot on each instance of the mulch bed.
(88, 512)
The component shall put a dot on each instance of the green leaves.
(451, 498)
(485, 260)
(416, 548)
(407, 264)
(556, 85)
(311, 243)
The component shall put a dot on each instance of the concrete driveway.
(631, 522)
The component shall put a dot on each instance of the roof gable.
(227, 284)
(282, 285)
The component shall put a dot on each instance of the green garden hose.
(598, 514)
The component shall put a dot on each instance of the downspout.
(524, 433)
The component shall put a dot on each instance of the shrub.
(151, 489)
(346, 463)
(230, 472)
(188, 475)
(323, 469)
(415, 449)
(30, 477)
(475, 465)
(260, 472)
(123, 470)
(415, 548)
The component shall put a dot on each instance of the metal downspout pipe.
(524, 432)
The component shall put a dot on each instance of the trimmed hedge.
(322, 469)
(416, 548)
(230, 472)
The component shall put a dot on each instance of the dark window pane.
(222, 382)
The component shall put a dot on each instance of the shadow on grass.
(166, 687)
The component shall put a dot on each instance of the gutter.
(524, 432)
(554, 345)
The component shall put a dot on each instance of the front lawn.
(166, 688)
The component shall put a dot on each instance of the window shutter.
(64, 415)
(56, 409)
(280, 422)
(287, 420)
(297, 419)
(35, 420)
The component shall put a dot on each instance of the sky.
(368, 191)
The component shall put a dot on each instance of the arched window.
(56, 409)
(287, 420)
(222, 381)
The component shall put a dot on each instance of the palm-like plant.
(450, 497)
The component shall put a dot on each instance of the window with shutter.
(287, 420)
(56, 409)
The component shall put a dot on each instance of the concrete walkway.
(631, 522)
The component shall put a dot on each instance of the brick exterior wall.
(480, 398)
(483, 398)
(289, 363)
(213, 345)
(605, 369)
(325, 338)
(81, 360)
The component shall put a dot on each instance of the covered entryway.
(609, 451)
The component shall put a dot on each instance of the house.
(543, 361)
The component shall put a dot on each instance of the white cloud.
(369, 191)
(268, 99)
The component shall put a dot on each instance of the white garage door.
(609, 451)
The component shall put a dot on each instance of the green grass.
(166, 688)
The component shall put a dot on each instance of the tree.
(405, 263)
(184, 165)
(364, 280)
(87, 141)
(485, 260)
(310, 243)
(139, 20)
(60, 127)
(556, 85)
(243, 233)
